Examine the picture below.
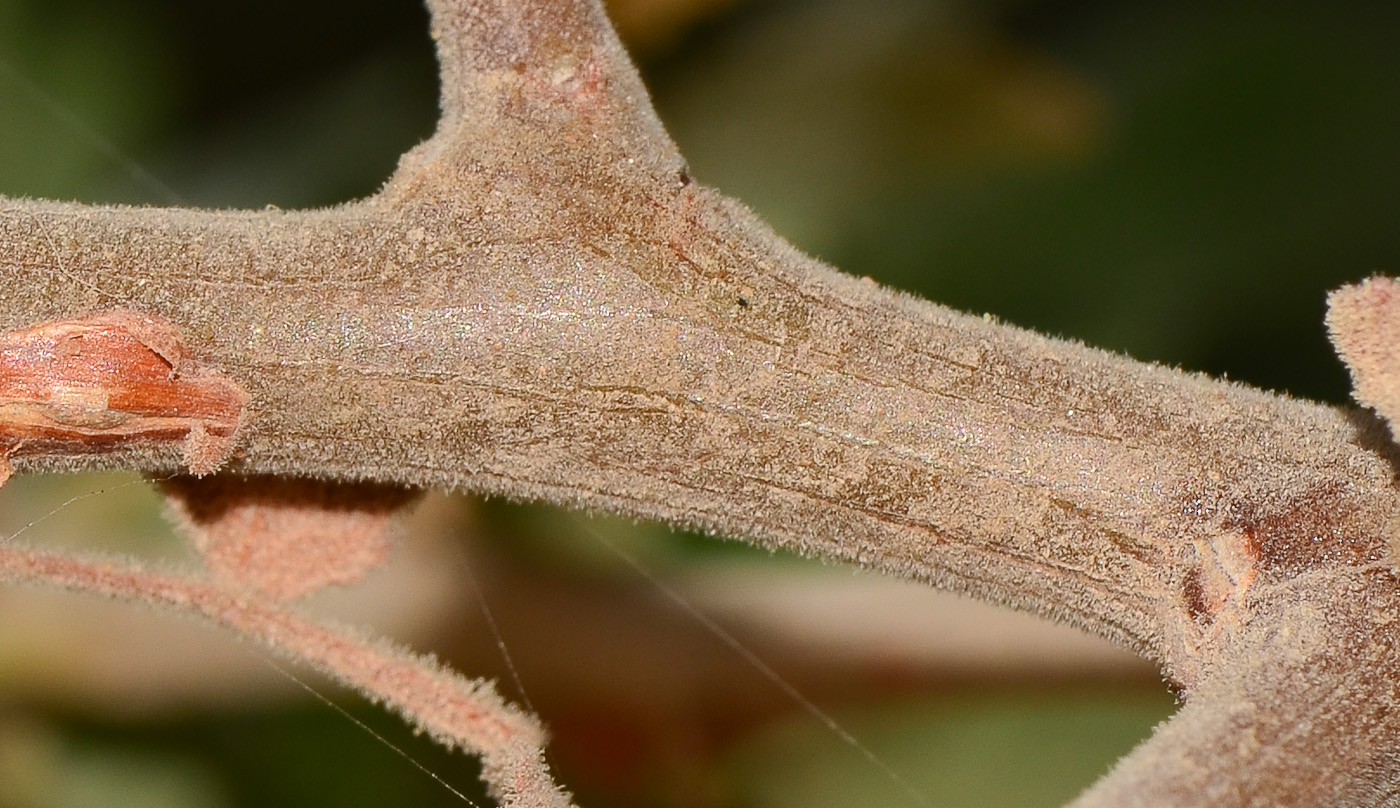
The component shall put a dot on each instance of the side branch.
(1301, 711)
(456, 711)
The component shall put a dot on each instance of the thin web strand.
(64, 506)
(480, 596)
(88, 134)
(763, 668)
(370, 730)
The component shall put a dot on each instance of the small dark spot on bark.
(1194, 596)
(743, 303)
(1251, 543)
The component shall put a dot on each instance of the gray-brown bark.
(541, 304)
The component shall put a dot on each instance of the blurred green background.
(1182, 182)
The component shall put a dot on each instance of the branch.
(1299, 712)
(541, 304)
(563, 60)
(455, 711)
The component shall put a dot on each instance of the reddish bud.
(108, 382)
